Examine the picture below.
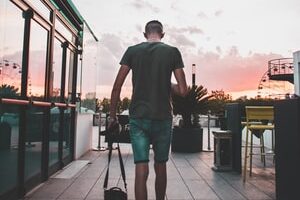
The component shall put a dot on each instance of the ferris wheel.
(10, 73)
(277, 81)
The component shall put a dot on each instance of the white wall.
(84, 133)
(296, 56)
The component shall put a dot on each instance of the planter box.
(187, 140)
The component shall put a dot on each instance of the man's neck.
(153, 38)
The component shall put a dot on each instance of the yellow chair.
(258, 119)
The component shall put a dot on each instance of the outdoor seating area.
(189, 177)
(225, 109)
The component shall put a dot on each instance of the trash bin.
(222, 150)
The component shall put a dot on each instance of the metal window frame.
(30, 13)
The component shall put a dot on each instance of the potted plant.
(187, 137)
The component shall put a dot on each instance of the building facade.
(42, 82)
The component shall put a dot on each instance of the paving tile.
(189, 177)
(224, 190)
(40, 198)
(201, 190)
(178, 190)
(249, 190)
(51, 189)
(265, 186)
(97, 191)
(92, 172)
(188, 173)
(79, 189)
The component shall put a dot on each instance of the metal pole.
(99, 131)
(208, 130)
(99, 148)
(193, 74)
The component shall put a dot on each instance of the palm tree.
(194, 103)
(8, 91)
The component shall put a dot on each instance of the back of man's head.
(154, 26)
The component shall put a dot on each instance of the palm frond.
(195, 102)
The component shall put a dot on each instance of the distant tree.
(124, 104)
(221, 95)
(105, 104)
(8, 91)
(89, 103)
(218, 101)
(255, 101)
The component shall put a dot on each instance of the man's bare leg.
(160, 180)
(141, 176)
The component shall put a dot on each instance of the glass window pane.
(9, 136)
(34, 135)
(79, 78)
(54, 136)
(89, 71)
(11, 45)
(66, 133)
(37, 62)
(69, 75)
(63, 30)
(55, 88)
(55, 82)
(41, 8)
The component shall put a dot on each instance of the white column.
(296, 56)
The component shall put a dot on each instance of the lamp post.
(193, 74)
(208, 130)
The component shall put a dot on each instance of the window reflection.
(34, 135)
(54, 136)
(9, 136)
(79, 78)
(55, 85)
(37, 62)
(66, 133)
(63, 30)
(40, 7)
(89, 69)
(69, 75)
(11, 43)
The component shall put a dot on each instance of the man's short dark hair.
(154, 26)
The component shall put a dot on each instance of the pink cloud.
(230, 72)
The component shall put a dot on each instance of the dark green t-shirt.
(152, 64)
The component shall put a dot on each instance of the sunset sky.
(229, 41)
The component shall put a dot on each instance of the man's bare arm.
(181, 87)
(115, 93)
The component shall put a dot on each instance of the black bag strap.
(121, 166)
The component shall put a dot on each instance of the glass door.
(60, 114)
(55, 92)
(35, 116)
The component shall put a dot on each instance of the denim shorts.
(144, 132)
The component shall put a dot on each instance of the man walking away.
(152, 64)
